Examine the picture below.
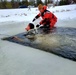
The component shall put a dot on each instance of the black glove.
(33, 19)
(37, 25)
(47, 26)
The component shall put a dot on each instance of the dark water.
(61, 41)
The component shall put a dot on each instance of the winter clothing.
(44, 7)
(48, 18)
(37, 25)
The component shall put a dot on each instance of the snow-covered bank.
(64, 8)
(62, 12)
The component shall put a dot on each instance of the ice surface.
(20, 60)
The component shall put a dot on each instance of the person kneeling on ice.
(48, 19)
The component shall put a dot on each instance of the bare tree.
(57, 2)
(0, 3)
(12, 3)
(3, 4)
(74, 1)
(39, 2)
(46, 2)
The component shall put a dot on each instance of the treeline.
(6, 4)
(67, 2)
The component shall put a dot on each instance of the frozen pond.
(21, 60)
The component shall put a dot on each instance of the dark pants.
(45, 28)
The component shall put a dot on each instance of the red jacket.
(47, 18)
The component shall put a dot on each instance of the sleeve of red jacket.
(46, 17)
(37, 16)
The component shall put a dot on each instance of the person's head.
(29, 26)
(42, 8)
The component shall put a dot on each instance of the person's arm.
(36, 17)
